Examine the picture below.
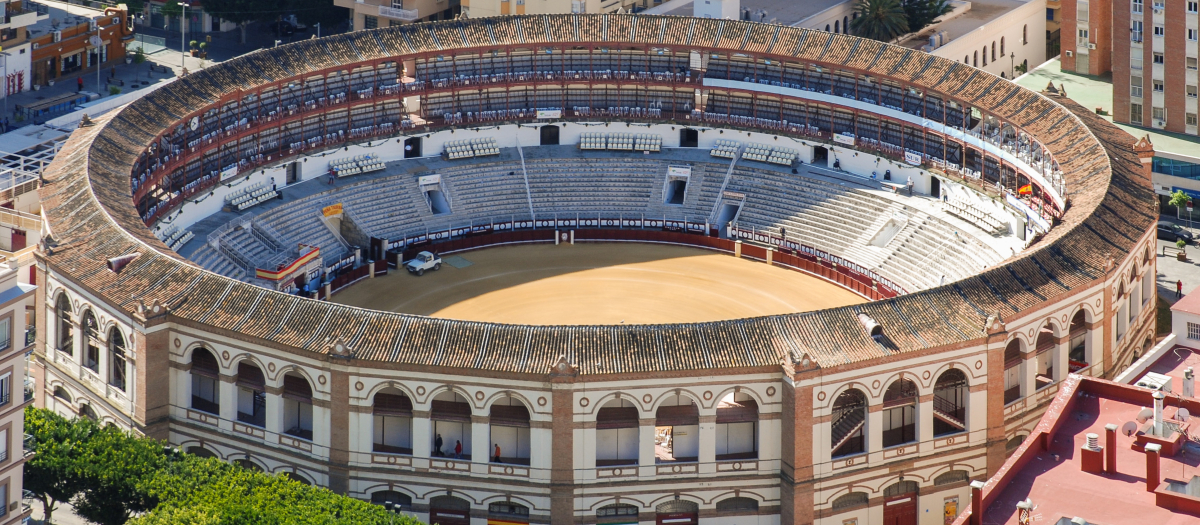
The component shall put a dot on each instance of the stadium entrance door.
(549, 135)
(689, 138)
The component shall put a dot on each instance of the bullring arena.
(922, 252)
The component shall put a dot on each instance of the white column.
(274, 419)
(707, 441)
(227, 392)
(874, 428)
(925, 418)
(321, 420)
(540, 441)
(1028, 375)
(422, 428)
(646, 456)
(481, 439)
(1062, 351)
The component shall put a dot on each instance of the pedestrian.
(457, 449)
(497, 458)
(1179, 288)
(437, 445)
(331, 177)
(79, 82)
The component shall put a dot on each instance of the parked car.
(423, 261)
(280, 28)
(1170, 232)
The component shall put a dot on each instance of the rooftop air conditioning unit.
(1160, 123)
(1070, 53)
(1155, 381)
(1091, 45)
(57, 36)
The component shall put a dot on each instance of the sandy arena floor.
(598, 283)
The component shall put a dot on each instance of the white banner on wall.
(229, 173)
(844, 138)
(912, 158)
(549, 113)
(679, 171)
(425, 180)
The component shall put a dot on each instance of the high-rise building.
(1154, 70)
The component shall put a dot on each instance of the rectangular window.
(1135, 113)
(1137, 6)
(1135, 87)
(1158, 86)
(1159, 58)
(5, 333)
(1191, 91)
(1191, 119)
(1193, 7)
(1159, 31)
(1083, 34)
(1081, 11)
(1135, 64)
(5, 389)
(1135, 31)
(1192, 34)
(3, 445)
(1160, 114)
(1191, 63)
(1193, 331)
(370, 22)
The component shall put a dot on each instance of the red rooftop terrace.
(1105, 453)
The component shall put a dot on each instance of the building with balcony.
(16, 391)
(16, 17)
(65, 43)
(371, 14)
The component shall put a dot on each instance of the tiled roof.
(89, 209)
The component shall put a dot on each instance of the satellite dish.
(1182, 414)
(1129, 428)
(1145, 415)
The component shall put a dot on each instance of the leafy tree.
(242, 12)
(53, 474)
(135, 6)
(921, 13)
(310, 12)
(1179, 199)
(882, 20)
(139, 58)
(115, 467)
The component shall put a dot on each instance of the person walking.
(1178, 289)
(457, 449)
(497, 458)
(437, 445)
(79, 82)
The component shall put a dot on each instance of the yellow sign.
(950, 510)
(332, 209)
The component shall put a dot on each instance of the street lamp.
(318, 26)
(277, 42)
(183, 35)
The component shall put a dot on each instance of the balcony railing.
(27, 444)
(5, 397)
(407, 15)
(30, 335)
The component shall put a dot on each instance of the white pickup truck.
(423, 261)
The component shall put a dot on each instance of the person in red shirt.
(79, 82)
(1179, 288)
(497, 458)
(458, 449)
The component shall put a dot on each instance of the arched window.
(900, 413)
(248, 465)
(86, 411)
(297, 406)
(201, 452)
(393, 412)
(91, 341)
(617, 434)
(451, 415)
(1045, 348)
(952, 477)
(61, 393)
(507, 511)
(1001, 46)
(677, 506)
(836, 26)
(252, 394)
(449, 510)
(676, 430)
(116, 359)
(853, 499)
(1013, 444)
(1012, 371)
(985, 55)
(1078, 356)
(950, 403)
(390, 499)
(297, 478)
(509, 420)
(993, 50)
(1025, 34)
(975, 63)
(617, 513)
(737, 504)
(826, 28)
(967, 60)
(66, 332)
(849, 423)
(900, 488)
(737, 427)
(205, 381)
(845, 24)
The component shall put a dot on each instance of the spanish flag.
(1025, 190)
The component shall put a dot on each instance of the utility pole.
(183, 36)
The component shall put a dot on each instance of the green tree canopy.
(242, 12)
(1179, 199)
(921, 13)
(171, 8)
(882, 20)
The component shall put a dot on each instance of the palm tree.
(882, 20)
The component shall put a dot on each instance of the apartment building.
(65, 44)
(16, 340)
(370, 14)
(1154, 70)
(15, 57)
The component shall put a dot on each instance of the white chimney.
(1158, 412)
(1093, 441)
(1189, 383)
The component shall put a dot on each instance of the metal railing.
(407, 15)
(27, 445)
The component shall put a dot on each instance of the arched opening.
(850, 501)
(975, 62)
(1025, 34)
(900, 413)
(201, 452)
(617, 434)
(91, 341)
(849, 423)
(676, 430)
(846, 24)
(61, 393)
(86, 411)
(1122, 312)
(449, 510)
(297, 478)
(1044, 358)
(1012, 371)
(900, 503)
(826, 28)
(509, 426)
(507, 512)
(1001, 46)
(1013, 444)
(985, 55)
(393, 412)
(837, 26)
(737, 427)
(451, 415)
(993, 50)
(252, 394)
(66, 332)
(617, 514)
(248, 465)
(117, 371)
(950, 396)
(549, 135)
(297, 406)
(677, 512)
(1078, 356)
(390, 499)
(1135, 296)
(205, 381)
(951, 478)
(737, 505)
